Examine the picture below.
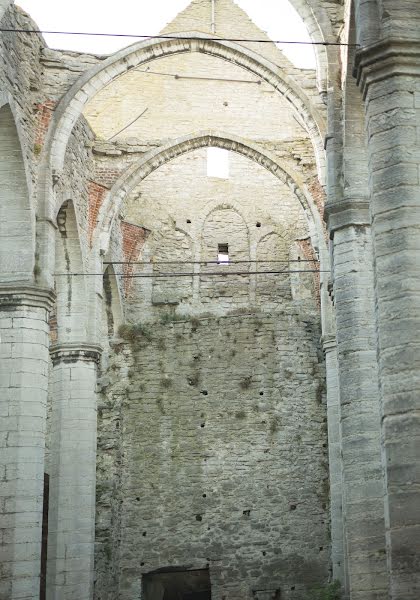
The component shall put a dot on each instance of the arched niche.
(165, 245)
(17, 239)
(224, 237)
(111, 304)
(302, 282)
(271, 248)
(72, 305)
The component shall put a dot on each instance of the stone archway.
(72, 104)
(155, 159)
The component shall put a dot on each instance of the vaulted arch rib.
(72, 104)
(155, 159)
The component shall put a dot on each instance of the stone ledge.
(76, 352)
(347, 213)
(15, 295)
(387, 58)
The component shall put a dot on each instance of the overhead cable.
(176, 37)
(211, 274)
(208, 262)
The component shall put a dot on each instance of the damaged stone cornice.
(346, 213)
(17, 294)
(75, 352)
(387, 58)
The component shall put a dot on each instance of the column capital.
(349, 212)
(75, 352)
(14, 295)
(389, 57)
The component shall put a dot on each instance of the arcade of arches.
(210, 311)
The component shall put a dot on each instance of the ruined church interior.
(210, 310)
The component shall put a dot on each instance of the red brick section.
(106, 176)
(133, 239)
(318, 194)
(44, 115)
(309, 254)
(96, 194)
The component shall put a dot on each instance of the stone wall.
(212, 451)
(212, 445)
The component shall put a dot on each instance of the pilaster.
(388, 73)
(335, 462)
(73, 472)
(24, 343)
(362, 485)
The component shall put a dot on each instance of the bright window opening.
(218, 163)
(223, 254)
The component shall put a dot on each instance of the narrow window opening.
(218, 163)
(223, 254)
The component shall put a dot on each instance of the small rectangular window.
(218, 163)
(223, 254)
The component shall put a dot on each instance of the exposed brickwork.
(133, 237)
(107, 176)
(318, 194)
(44, 115)
(96, 197)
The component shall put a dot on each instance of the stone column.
(23, 399)
(389, 76)
(334, 448)
(71, 520)
(363, 488)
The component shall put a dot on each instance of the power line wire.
(208, 262)
(175, 37)
(176, 76)
(171, 275)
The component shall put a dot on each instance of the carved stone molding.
(17, 295)
(76, 352)
(387, 58)
(347, 213)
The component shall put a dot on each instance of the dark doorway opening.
(176, 584)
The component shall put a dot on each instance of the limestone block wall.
(212, 452)
(21, 81)
(185, 93)
(212, 417)
(189, 214)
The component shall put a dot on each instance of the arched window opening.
(218, 163)
(16, 224)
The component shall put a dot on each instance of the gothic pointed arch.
(73, 103)
(156, 158)
(72, 305)
(318, 24)
(17, 239)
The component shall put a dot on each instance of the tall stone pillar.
(334, 445)
(71, 522)
(23, 399)
(363, 489)
(389, 76)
